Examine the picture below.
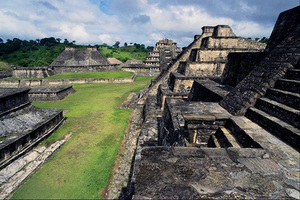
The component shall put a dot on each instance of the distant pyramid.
(72, 57)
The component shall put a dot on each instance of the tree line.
(41, 52)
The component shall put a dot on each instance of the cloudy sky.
(136, 21)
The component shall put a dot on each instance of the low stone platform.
(54, 93)
(21, 124)
(21, 129)
(182, 118)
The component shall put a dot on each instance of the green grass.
(81, 168)
(109, 74)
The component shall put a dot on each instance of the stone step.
(243, 139)
(293, 74)
(288, 98)
(281, 111)
(226, 139)
(284, 131)
(288, 85)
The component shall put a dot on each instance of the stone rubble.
(13, 175)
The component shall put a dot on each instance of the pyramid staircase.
(277, 113)
(279, 110)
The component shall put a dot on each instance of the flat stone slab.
(198, 110)
(24, 120)
(193, 173)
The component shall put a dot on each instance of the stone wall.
(143, 71)
(180, 83)
(56, 82)
(43, 72)
(232, 42)
(32, 72)
(95, 68)
(239, 66)
(205, 68)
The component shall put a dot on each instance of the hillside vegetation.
(124, 53)
(5, 69)
(41, 52)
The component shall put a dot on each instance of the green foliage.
(138, 52)
(82, 167)
(39, 52)
(5, 69)
(264, 40)
(32, 54)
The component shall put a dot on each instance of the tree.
(58, 40)
(117, 44)
(125, 44)
(1, 40)
(66, 41)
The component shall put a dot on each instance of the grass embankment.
(81, 168)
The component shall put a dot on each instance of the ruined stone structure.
(70, 60)
(139, 68)
(114, 61)
(55, 93)
(163, 53)
(32, 72)
(21, 124)
(223, 120)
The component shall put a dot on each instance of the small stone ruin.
(21, 124)
(54, 93)
(223, 120)
(163, 54)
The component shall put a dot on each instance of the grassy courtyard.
(81, 168)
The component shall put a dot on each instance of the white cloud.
(15, 27)
(251, 29)
(137, 21)
(109, 39)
